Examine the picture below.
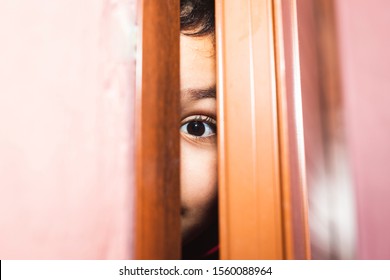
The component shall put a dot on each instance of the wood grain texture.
(249, 175)
(263, 201)
(158, 111)
(291, 134)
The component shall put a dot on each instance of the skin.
(199, 149)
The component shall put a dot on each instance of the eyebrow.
(195, 94)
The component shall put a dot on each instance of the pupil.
(196, 128)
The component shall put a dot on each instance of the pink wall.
(66, 119)
(365, 63)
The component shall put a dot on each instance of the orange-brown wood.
(263, 202)
(292, 156)
(157, 147)
(249, 176)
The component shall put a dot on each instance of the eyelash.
(209, 121)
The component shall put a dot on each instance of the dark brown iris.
(196, 128)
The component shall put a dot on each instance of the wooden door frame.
(261, 158)
(262, 192)
(157, 226)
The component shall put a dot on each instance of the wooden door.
(157, 132)
(261, 158)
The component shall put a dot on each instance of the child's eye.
(199, 126)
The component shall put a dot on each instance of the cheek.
(198, 176)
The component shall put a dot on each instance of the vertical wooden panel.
(290, 120)
(67, 83)
(249, 178)
(263, 201)
(158, 123)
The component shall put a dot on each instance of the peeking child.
(198, 130)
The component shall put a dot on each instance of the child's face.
(198, 135)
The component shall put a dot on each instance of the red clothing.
(205, 247)
(212, 254)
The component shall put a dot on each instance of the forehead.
(197, 62)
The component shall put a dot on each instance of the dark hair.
(197, 17)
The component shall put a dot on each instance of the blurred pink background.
(365, 74)
(66, 118)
